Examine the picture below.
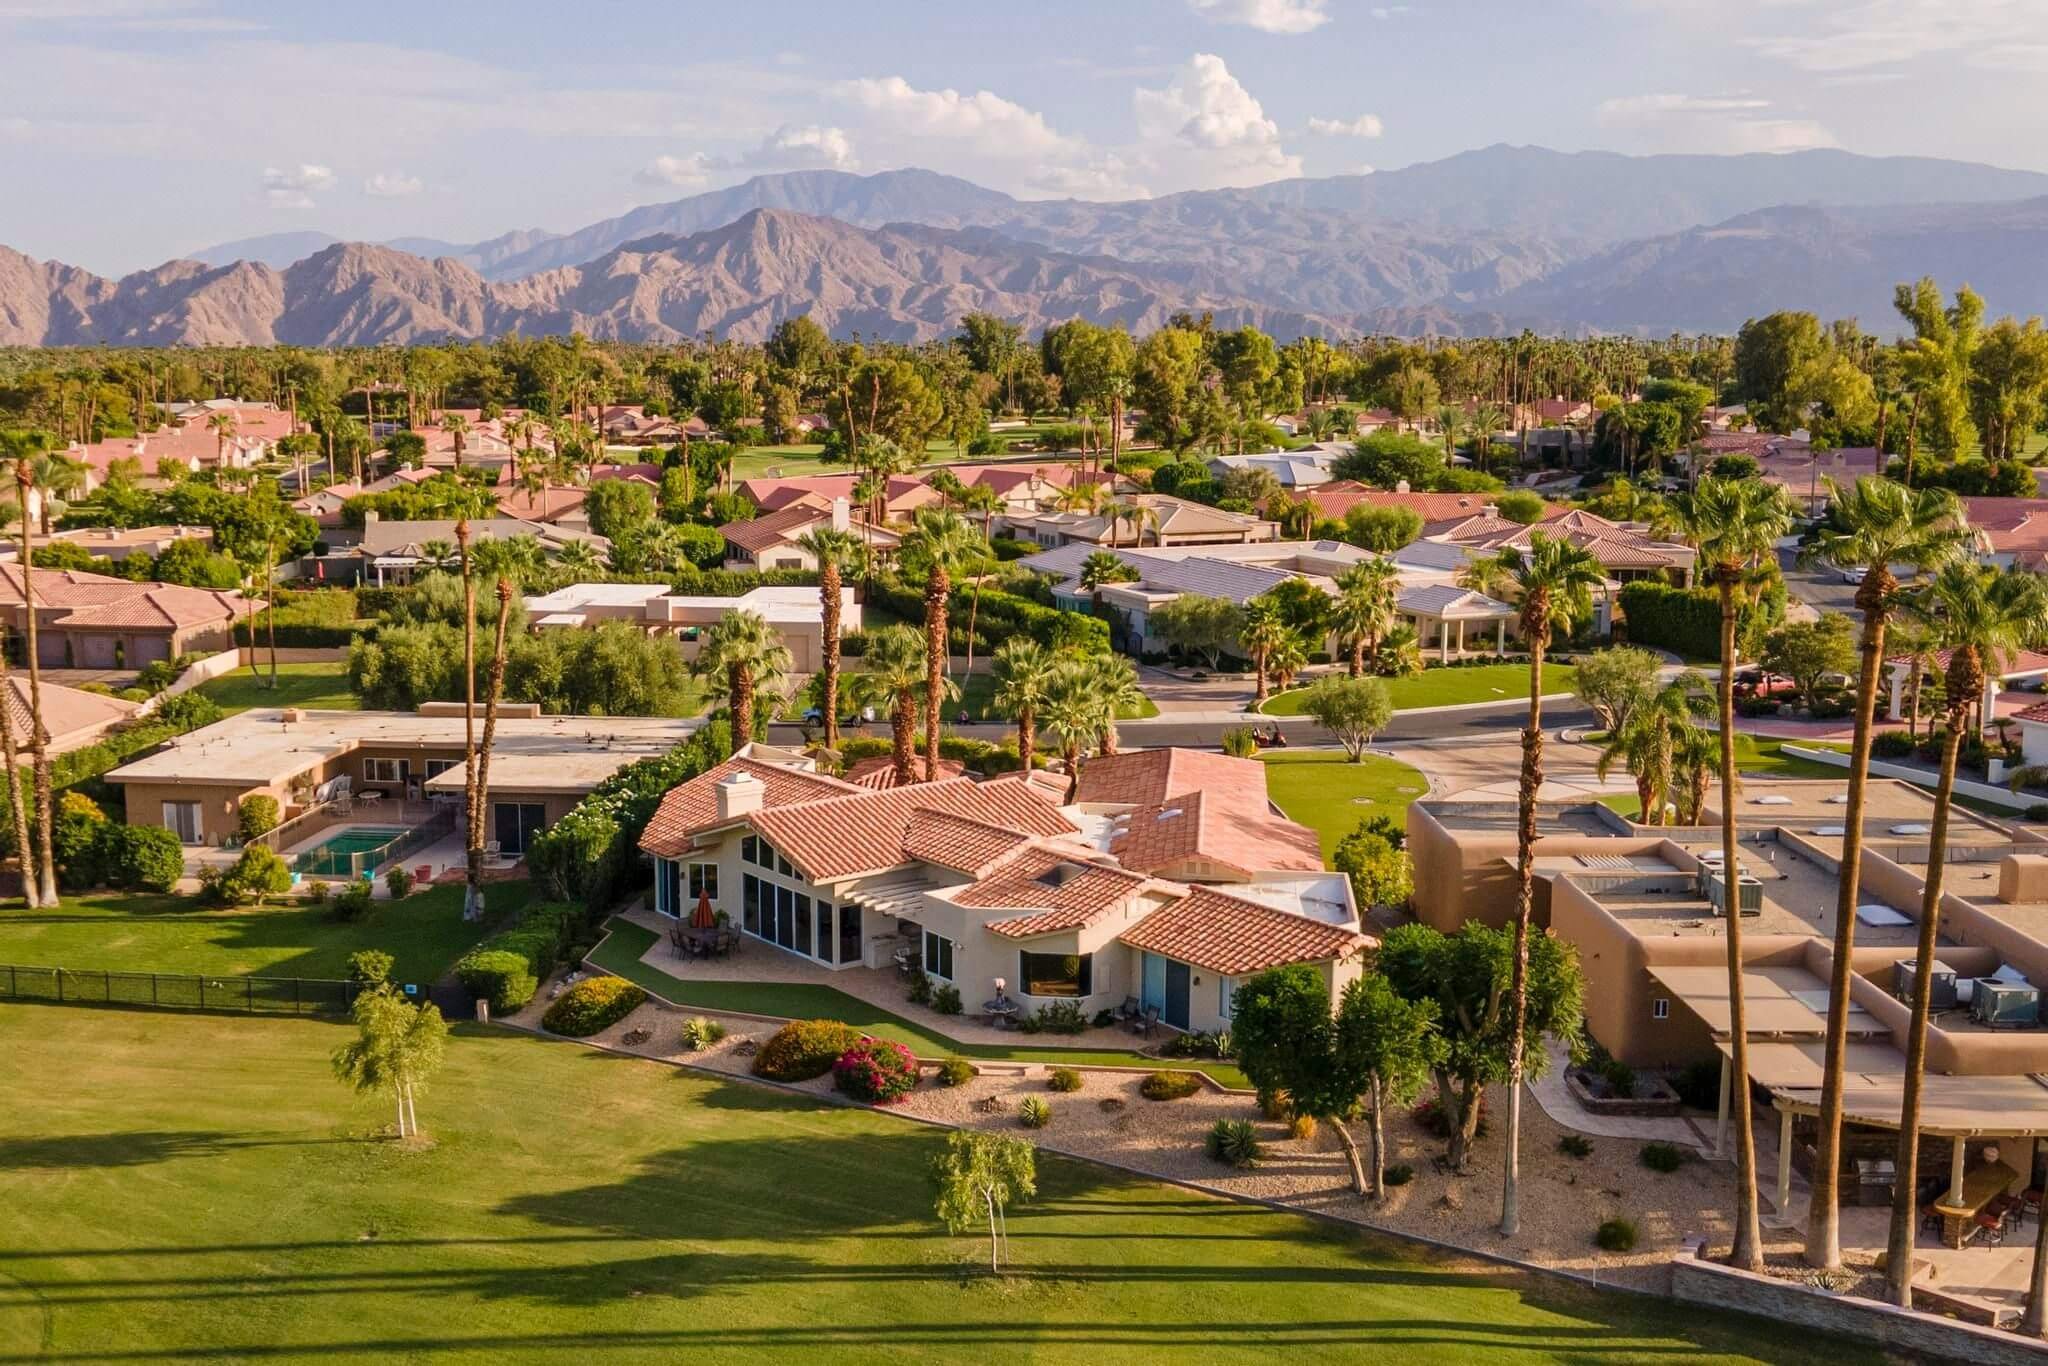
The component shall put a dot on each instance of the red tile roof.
(772, 529)
(951, 841)
(1190, 805)
(158, 607)
(864, 832)
(880, 771)
(1061, 890)
(1228, 935)
(693, 807)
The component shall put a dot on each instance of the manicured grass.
(197, 1188)
(1446, 687)
(298, 685)
(977, 690)
(172, 934)
(1760, 756)
(758, 462)
(622, 951)
(1325, 791)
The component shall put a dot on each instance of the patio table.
(1980, 1187)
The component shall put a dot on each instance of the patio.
(756, 960)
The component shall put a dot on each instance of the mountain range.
(1487, 241)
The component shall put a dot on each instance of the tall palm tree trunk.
(935, 594)
(1027, 737)
(740, 687)
(16, 798)
(1747, 1252)
(1823, 1224)
(38, 734)
(828, 604)
(1898, 1275)
(903, 737)
(473, 895)
(1525, 900)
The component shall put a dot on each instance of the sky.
(134, 130)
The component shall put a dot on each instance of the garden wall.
(1695, 1281)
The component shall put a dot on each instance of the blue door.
(1153, 990)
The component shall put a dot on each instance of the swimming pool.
(336, 856)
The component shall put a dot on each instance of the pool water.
(332, 856)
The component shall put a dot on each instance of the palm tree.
(1647, 745)
(1486, 419)
(473, 880)
(1449, 420)
(55, 478)
(1979, 615)
(1288, 659)
(833, 550)
(1695, 758)
(580, 561)
(1398, 654)
(1076, 712)
(17, 808)
(457, 427)
(21, 449)
(1024, 670)
(1911, 641)
(1265, 631)
(892, 679)
(1103, 567)
(1873, 526)
(223, 424)
(1117, 679)
(1488, 575)
(751, 657)
(1735, 525)
(1551, 583)
(940, 543)
(1364, 610)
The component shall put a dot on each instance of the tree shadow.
(128, 1148)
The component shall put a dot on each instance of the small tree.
(1615, 682)
(1466, 976)
(977, 1176)
(258, 873)
(1352, 709)
(1395, 1041)
(1379, 872)
(1806, 652)
(1198, 625)
(258, 816)
(397, 1048)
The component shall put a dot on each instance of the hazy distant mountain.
(1839, 263)
(278, 249)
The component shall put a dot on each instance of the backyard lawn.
(200, 1188)
(1437, 687)
(627, 943)
(122, 932)
(298, 685)
(1325, 791)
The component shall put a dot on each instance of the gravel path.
(1563, 1198)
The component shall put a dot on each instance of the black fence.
(178, 991)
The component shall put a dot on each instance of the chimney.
(1401, 487)
(739, 794)
(370, 517)
(840, 514)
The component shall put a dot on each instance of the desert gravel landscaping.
(1564, 1199)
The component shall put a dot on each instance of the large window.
(938, 956)
(750, 904)
(514, 824)
(703, 881)
(1226, 987)
(849, 934)
(386, 770)
(668, 887)
(1055, 974)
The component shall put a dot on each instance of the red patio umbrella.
(703, 918)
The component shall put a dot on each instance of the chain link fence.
(178, 991)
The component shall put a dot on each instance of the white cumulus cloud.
(982, 135)
(1732, 122)
(294, 187)
(1207, 130)
(392, 185)
(1268, 16)
(1364, 126)
(788, 148)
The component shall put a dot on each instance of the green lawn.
(298, 685)
(1325, 791)
(622, 951)
(1444, 687)
(1761, 756)
(976, 690)
(757, 462)
(173, 934)
(190, 1188)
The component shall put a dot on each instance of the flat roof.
(1552, 818)
(1788, 1000)
(260, 748)
(1799, 898)
(1873, 1092)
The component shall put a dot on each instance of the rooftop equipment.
(2005, 1005)
(1942, 990)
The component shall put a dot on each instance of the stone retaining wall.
(1696, 1281)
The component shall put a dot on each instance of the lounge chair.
(1129, 1010)
(1146, 1022)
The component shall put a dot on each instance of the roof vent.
(1059, 874)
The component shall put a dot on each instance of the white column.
(1443, 642)
(1990, 698)
(1901, 680)
(1461, 637)
(1721, 1120)
(1784, 1161)
(1955, 1172)
(1500, 636)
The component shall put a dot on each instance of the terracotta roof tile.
(952, 841)
(1227, 935)
(1062, 891)
(693, 806)
(863, 832)
(879, 771)
(1239, 834)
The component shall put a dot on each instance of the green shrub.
(803, 1049)
(700, 1033)
(946, 999)
(507, 968)
(879, 1071)
(354, 902)
(1620, 1077)
(1033, 1112)
(955, 1072)
(592, 1006)
(1891, 744)
(2037, 812)
(138, 857)
(1688, 620)
(1236, 1142)
(370, 967)
(920, 993)
(76, 840)
(499, 976)
(1400, 1174)
(258, 815)
(257, 874)
(1662, 1157)
(1170, 1085)
(1064, 1079)
(1057, 1017)
(399, 880)
(1239, 742)
(1575, 1145)
(1699, 1084)
(591, 855)
(1616, 1235)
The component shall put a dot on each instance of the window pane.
(849, 934)
(801, 940)
(825, 931)
(750, 904)
(1054, 974)
(785, 915)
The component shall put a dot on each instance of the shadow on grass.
(134, 1148)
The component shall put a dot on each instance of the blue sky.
(149, 127)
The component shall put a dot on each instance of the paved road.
(1820, 589)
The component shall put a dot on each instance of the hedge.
(1000, 616)
(507, 968)
(299, 636)
(732, 583)
(1687, 621)
(592, 854)
(592, 1006)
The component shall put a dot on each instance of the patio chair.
(677, 940)
(1129, 1010)
(1146, 1022)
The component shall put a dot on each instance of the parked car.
(1855, 574)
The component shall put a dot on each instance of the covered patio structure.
(1445, 615)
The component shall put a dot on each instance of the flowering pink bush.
(876, 1070)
